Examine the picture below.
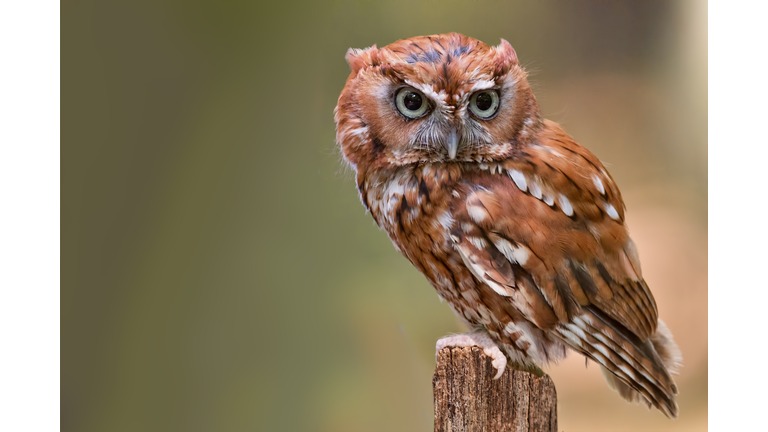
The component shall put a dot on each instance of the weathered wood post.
(468, 399)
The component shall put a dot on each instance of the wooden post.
(468, 399)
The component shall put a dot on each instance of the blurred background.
(218, 271)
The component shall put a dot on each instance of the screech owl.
(519, 228)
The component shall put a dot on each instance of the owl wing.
(546, 230)
(554, 217)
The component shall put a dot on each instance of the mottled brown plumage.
(516, 225)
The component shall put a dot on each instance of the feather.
(515, 224)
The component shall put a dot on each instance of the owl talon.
(480, 340)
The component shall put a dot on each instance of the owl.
(518, 227)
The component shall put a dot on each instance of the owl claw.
(480, 340)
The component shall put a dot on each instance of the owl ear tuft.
(505, 57)
(359, 58)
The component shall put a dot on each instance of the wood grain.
(468, 399)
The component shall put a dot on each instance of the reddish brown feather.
(525, 236)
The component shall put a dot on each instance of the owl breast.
(414, 205)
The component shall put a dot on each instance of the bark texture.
(468, 399)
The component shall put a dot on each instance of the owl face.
(443, 98)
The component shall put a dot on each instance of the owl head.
(429, 99)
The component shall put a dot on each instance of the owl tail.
(638, 370)
(666, 351)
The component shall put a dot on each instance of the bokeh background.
(218, 272)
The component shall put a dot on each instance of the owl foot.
(480, 340)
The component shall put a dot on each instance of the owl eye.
(411, 103)
(484, 104)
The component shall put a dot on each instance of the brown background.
(218, 271)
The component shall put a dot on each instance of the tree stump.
(468, 399)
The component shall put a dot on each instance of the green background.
(218, 271)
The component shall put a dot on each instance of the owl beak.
(452, 143)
